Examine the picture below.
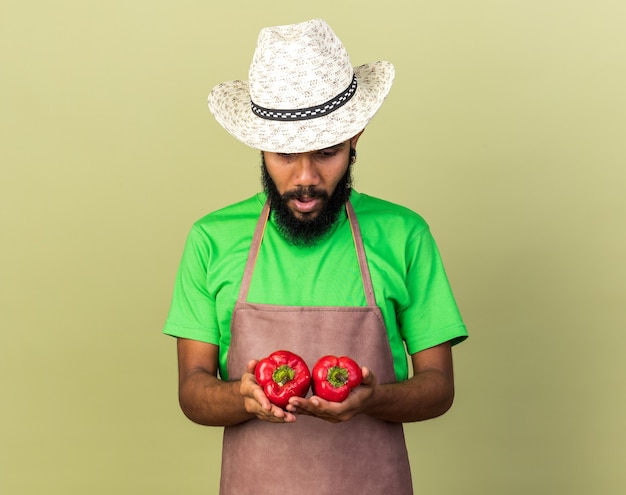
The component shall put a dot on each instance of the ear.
(355, 139)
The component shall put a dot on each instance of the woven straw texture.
(297, 67)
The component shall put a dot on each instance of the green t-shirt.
(410, 284)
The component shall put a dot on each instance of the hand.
(336, 412)
(256, 402)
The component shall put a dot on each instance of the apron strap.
(253, 252)
(368, 287)
(358, 244)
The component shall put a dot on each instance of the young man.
(314, 267)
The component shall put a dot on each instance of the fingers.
(334, 412)
(257, 403)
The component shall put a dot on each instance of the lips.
(305, 204)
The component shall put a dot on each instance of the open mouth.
(305, 204)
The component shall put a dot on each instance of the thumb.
(369, 380)
(252, 366)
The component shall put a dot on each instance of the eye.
(329, 153)
(286, 157)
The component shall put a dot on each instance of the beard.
(306, 231)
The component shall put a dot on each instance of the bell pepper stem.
(337, 376)
(283, 374)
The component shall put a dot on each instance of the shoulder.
(231, 218)
(385, 217)
(225, 230)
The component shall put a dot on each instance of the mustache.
(304, 192)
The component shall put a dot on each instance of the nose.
(305, 172)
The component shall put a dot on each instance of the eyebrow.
(335, 146)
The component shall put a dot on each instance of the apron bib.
(311, 456)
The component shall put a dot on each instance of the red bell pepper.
(334, 377)
(282, 375)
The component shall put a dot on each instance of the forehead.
(333, 147)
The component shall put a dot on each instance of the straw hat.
(302, 93)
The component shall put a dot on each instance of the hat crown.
(298, 66)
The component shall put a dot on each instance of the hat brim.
(229, 102)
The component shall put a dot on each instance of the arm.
(205, 399)
(427, 394)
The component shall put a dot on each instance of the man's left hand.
(336, 412)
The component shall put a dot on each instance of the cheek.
(283, 183)
(279, 177)
(334, 177)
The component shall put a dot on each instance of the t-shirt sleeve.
(192, 313)
(432, 316)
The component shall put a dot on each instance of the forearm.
(207, 400)
(427, 395)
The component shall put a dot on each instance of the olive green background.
(504, 129)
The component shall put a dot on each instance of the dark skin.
(208, 400)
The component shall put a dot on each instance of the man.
(314, 267)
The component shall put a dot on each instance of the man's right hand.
(257, 403)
